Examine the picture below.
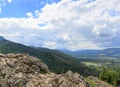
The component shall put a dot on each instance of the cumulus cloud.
(29, 14)
(71, 24)
(9, 1)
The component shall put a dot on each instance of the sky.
(61, 24)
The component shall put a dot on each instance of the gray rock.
(2, 55)
(22, 70)
(11, 55)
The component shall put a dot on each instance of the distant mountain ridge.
(110, 52)
(2, 38)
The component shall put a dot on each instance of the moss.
(49, 72)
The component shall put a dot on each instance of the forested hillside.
(57, 61)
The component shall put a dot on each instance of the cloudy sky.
(61, 24)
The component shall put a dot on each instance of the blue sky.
(19, 8)
(61, 24)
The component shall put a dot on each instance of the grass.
(90, 63)
(91, 82)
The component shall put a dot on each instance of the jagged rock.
(22, 70)
(11, 55)
(2, 55)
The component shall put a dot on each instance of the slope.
(57, 61)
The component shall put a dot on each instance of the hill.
(57, 61)
(23, 70)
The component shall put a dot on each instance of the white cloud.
(91, 21)
(50, 44)
(72, 24)
(9, 1)
(29, 14)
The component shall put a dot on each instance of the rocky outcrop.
(22, 70)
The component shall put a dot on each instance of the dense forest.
(107, 68)
(110, 75)
(57, 61)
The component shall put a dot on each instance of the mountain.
(66, 51)
(2, 38)
(23, 70)
(110, 52)
(57, 61)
